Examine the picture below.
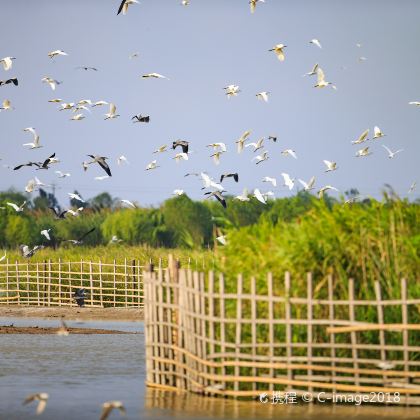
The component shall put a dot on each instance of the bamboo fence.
(53, 283)
(204, 338)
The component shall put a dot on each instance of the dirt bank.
(11, 329)
(73, 313)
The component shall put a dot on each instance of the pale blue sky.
(202, 48)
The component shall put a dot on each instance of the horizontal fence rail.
(53, 283)
(241, 343)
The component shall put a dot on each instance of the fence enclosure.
(204, 338)
(53, 283)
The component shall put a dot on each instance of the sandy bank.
(73, 313)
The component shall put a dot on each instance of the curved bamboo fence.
(203, 338)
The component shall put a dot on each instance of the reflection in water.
(80, 372)
(167, 404)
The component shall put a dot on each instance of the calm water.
(82, 371)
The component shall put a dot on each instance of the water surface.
(80, 372)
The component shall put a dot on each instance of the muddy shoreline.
(72, 313)
(11, 329)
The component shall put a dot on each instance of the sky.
(202, 48)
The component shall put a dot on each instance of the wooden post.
(211, 315)
(49, 282)
(44, 286)
(222, 321)
(101, 298)
(239, 291)
(27, 284)
(287, 316)
(253, 327)
(7, 281)
(404, 314)
(69, 284)
(115, 283)
(331, 315)
(125, 283)
(353, 333)
(139, 284)
(309, 326)
(17, 282)
(380, 313)
(37, 285)
(133, 280)
(91, 282)
(270, 325)
(59, 282)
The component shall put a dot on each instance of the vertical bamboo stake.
(59, 281)
(287, 315)
(125, 283)
(69, 284)
(27, 284)
(7, 281)
(197, 321)
(189, 325)
(44, 286)
(37, 285)
(161, 328)
(133, 279)
(203, 321)
(115, 283)
(222, 321)
(139, 285)
(101, 298)
(211, 316)
(253, 327)
(147, 327)
(331, 318)
(309, 326)
(49, 282)
(81, 274)
(353, 333)
(17, 282)
(91, 282)
(404, 321)
(270, 325)
(380, 321)
(178, 316)
(239, 291)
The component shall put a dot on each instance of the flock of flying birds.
(213, 188)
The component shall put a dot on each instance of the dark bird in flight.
(101, 161)
(38, 164)
(79, 241)
(140, 118)
(184, 145)
(274, 138)
(47, 162)
(234, 175)
(86, 68)
(14, 80)
(59, 214)
(219, 197)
